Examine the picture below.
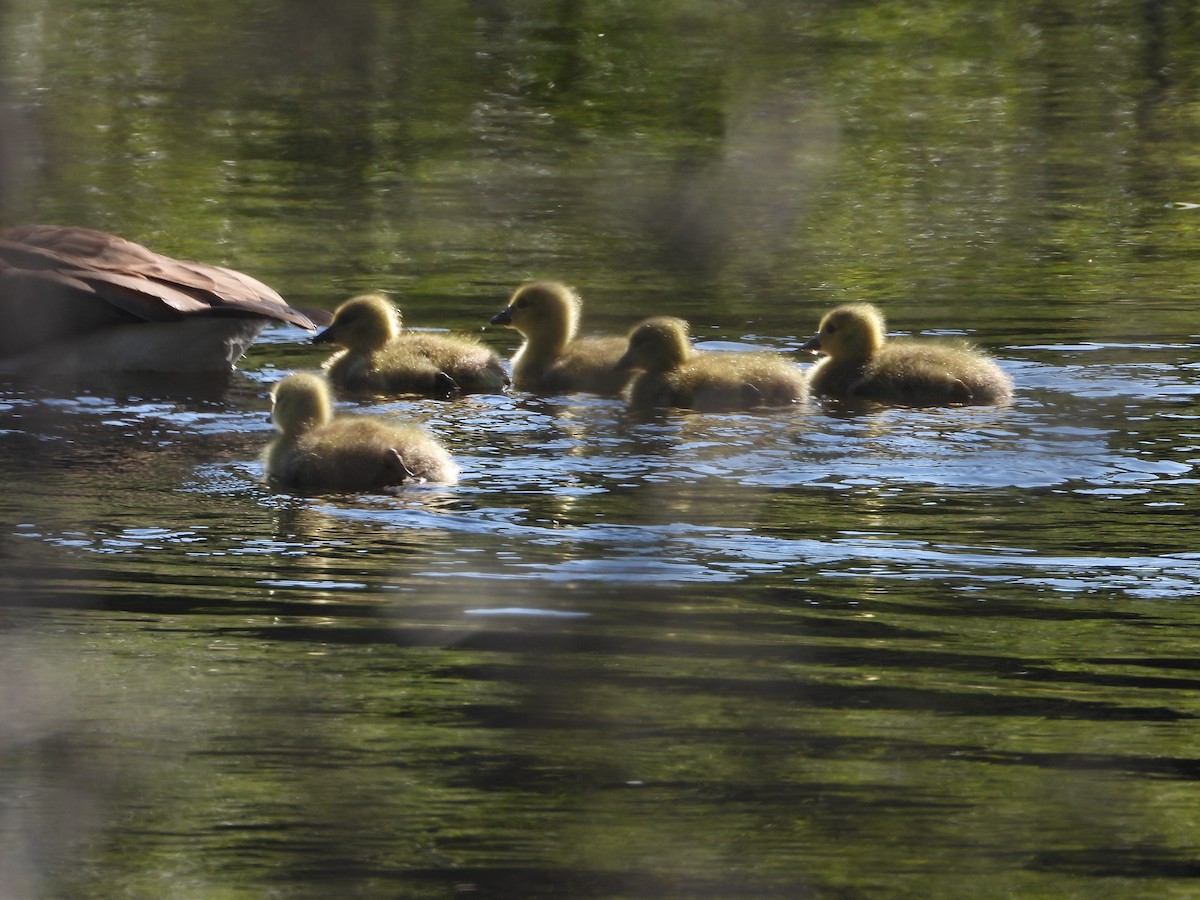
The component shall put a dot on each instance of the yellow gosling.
(553, 360)
(673, 374)
(378, 357)
(861, 364)
(318, 451)
(76, 300)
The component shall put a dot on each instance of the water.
(811, 652)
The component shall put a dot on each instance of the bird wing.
(134, 279)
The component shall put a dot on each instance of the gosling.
(861, 364)
(672, 374)
(379, 358)
(317, 451)
(552, 360)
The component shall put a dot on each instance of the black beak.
(323, 337)
(812, 346)
(395, 462)
(504, 317)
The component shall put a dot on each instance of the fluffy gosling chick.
(673, 374)
(553, 360)
(318, 451)
(378, 357)
(861, 364)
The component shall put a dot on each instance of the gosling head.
(658, 344)
(300, 403)
(546, 309)
(362, 324)
(852, 331)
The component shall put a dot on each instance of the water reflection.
(727, 655)
(572, 492)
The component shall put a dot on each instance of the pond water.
(813, 652)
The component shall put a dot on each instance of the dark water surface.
(816, 652)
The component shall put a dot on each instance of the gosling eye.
(522, 303)
(829, 329)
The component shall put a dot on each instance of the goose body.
(319, 451)
(74, 300)
(378, 357)
(672, 374)
(552, 360)
(861, 364)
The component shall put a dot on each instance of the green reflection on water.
(735, 164)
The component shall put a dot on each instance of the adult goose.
(78, 300)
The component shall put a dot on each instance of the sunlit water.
(684, 654)
(819, 651)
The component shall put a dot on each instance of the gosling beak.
(394, 462)
(812, 346)
(624, 364)
(444, 385)
(324, 337)
(504, 317)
